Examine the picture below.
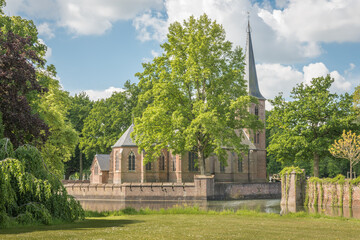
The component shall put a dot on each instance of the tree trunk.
(316, 165)
(201, 162)
(350, 170)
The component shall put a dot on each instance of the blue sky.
(96, 45)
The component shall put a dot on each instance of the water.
(261, 205)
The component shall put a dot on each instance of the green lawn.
(200, 226)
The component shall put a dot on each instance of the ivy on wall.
(314, 183)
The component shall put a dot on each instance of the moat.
(261, 205)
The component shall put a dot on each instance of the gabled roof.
(104, 161)
(246, 141)
(250, 68)
(125, 140)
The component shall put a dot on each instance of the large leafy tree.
(52, 107)
(107, 120)
(193, 95)
(304, 128)
(17, 82)
(80, 108)
(21, 55)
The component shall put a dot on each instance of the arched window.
(256, 110)
(96, 169)
(162, 162)
(174, 163)
(257, 138)
(193, 162)
(117, 161)
(148, 166)
(131, 161)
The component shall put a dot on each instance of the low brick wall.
(200, 189)
(232, 191)
(334, 195)
(203, 188)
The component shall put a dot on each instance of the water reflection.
(261, 205)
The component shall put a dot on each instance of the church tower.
(258, 138)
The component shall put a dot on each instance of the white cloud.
(315, 70)
(101, 94)
(83, 17)
(45, 30)
(309, 23)
(275, 78)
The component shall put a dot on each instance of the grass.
(192, 223)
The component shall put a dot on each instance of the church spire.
(250, 69)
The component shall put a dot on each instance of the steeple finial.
(248, 29)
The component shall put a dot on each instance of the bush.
(25, 218)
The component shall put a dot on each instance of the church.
(126, 165)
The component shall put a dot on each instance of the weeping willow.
(29, 193)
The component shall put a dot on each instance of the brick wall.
(230, 191)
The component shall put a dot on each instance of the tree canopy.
(18, 82)
(304, 128)
(348, 147)
(107, 120)
(193, 96)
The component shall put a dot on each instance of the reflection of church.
(125, 163)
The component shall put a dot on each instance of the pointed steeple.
(250, 68)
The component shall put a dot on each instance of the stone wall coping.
(204, 176)
(108, 185)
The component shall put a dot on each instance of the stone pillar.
(143, 168)
(293, 191)
(178, 169)
(204, 187)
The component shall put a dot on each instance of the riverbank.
(192, 223)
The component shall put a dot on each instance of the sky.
(97, 45)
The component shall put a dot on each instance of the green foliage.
(107, 120)
(53, 107)
(1, 127)
(193, 96)
(41, 113)
(356, 104)
(303, 129)
(6, 149)
(30, 193)
(288, 170)
(79, 109)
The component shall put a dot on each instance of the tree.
(107, 120)
(17, 82)
(79, 109)
(29, 194)
(193, 96)
(347, 147)
(356, 100)
(304, 128)
(52, 107)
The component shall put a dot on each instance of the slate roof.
(104, 161)
(250, 68)
(125, 140)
